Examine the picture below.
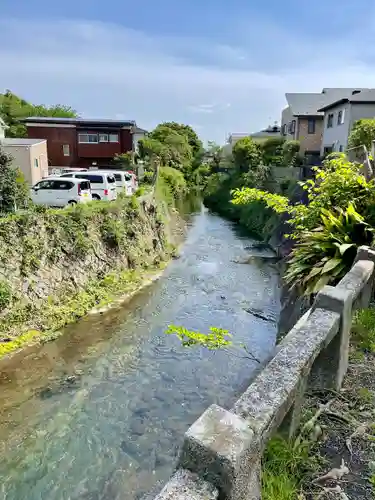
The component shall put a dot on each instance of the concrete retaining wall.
(222, 451)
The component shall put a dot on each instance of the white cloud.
(238, 85)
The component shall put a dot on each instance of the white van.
(124, 181)
(58, 192)
(103, 184)
(57, 171)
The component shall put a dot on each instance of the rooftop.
(364, 96)
(269, 131)
(10, 141)
(313, 104)
(79, 121)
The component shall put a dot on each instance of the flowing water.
(100, 412)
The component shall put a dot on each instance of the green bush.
(325, 254)
(171, 184)
(5, 295)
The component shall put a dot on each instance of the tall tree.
(189, 132)
(13, 108)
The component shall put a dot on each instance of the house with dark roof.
(303, 118)
(81, 142)
(341, 113)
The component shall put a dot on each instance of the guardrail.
(222, 451)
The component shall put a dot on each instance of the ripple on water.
(114, 430)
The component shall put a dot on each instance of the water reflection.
(100, 412)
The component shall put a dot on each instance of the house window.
(328, 150)
(113, 137)
(88, 138)
(292, 127)
(36, 163)
(103, 137)
(66, 150)
(330, 120)
(311, 126)
(340, 117)
(284, 129)
(341, 148)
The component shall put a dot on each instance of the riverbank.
(96, 397)
(60, 264)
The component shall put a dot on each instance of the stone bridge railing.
(221, 457)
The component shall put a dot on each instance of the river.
(100, 412)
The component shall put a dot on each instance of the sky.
(221, 67)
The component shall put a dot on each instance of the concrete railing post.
(365, 253)
(221, 448)
(330, 366)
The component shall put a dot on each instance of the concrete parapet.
(224, 448)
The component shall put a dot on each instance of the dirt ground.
(345, 436)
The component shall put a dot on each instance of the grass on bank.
(290, 466)
(45, 320)
(285, 465)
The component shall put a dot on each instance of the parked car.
(56, 171)
(103, 184)
(58, 192)
(124, 181)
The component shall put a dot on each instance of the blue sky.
(220, 66)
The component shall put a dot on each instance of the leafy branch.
(216, 338)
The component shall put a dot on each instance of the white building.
(340, 116)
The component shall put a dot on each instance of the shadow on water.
(100, 412)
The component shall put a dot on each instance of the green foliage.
(172, 145)
(337, 183)
(113, 232)
(243, 196)
(323, 255)
(247, 154)
(121, 234)
(14, 192)
(148, 177)
(215, 339)
(291, 151)
(56, 312)
(185, 130)
(363, 330)
(13, 108)
(171, 183)
(5, 295)
(273, 151)
(285, 466)
(123, 160)
(334, 185)
(362, 134)
(215, 156)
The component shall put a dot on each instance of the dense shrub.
(328, 230)
(171, 183)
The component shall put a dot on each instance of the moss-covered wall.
(57, 264)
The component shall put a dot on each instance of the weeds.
(285, 466)
(363, 330)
